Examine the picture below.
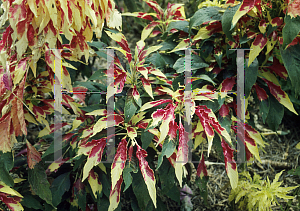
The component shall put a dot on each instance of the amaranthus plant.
(151, 143)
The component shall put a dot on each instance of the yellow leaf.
(152, 49)
(8, 190)
(102, 167)
(202, 34)
(18, 180)
(157, 72)
(100, 125)
(100, 112)
(75, 125)
(66, 80)
(51, 6)
(44, 132)
(269, 76)
(90, 163)
(66, 64)
(22, 45)
(115, 20)
(184, 44)
(298, 146)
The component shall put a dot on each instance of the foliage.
(151, 99)
(254, 193)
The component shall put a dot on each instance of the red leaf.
(201, 169)
(33, 156)
(80, 92)
(6, 78)
(130, 152)
(173, 127)
(277, 21)
(261, 93)
(278, 69)
(228, 84)
(224, 110)
(5, 143)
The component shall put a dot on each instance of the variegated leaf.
(209, 121)
(257, 46)
(114, 196)
(245, 7)
(230, 164)
(148, 29)
(147, 87)
(94, 155)
(95, 183)
(147, 173)
(280, 95)
(182, 153)
(155, 103)
(119, 162)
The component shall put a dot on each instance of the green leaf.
(219, 148)
(202, 184)
(157, 60)
(87, 84)
(30, 201)
(102, 203)
(290, 30)
(180, 25)
(204, 15)
(167, 180)
(264, 107)
(130, 108)
(219, 59)
(127, 177)
(98, 75)
(295, 171)
(250, 76)
(167, 45)
(291, 60)
(106, 184)
(196, 63)
(146, 138)
(167, 150)
(227, 21)
(60, 185)
(97, 44)
(6, 164)
(205, 78)
(50, 150)
(140, 190)
(38, 181)
(82, 200)
(91, 108)
(276, 113)
(179, 79)
(174, 193)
